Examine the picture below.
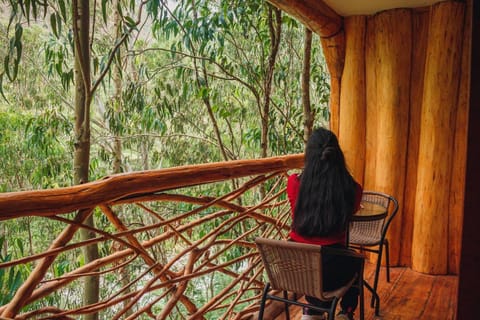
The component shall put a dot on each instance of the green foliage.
(170, 69)
(40, 147)
(10, 278)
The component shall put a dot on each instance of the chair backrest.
(374, 229)
(297, 267)
(292, 266)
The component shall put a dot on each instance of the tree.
(217, 81)
(84, 92)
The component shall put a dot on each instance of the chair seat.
(357, 237)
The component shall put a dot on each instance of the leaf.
(6, 67)
(17, 282)
(63, 9)
(53, 24)
(130, 22)
(1, 87)
(104, 10)
(34, 9)
(20, 245)
(26, 9)
(18, 32)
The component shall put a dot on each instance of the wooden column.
(392, 66)
(430, 233)
(371, 106)
(457, 188)
(351, 131)
(420, 19)
(334, 52)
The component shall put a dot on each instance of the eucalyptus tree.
(219, 81)
(242, 61)
(87, 73)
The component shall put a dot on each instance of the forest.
(94, 88)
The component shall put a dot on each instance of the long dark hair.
(326, 198)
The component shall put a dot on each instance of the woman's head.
(322, 148)
(327, 190)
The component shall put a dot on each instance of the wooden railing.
(170, 242)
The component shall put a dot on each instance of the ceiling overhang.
(368, 7)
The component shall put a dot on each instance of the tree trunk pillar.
(351, 131)
(439, 104)
(392, 67)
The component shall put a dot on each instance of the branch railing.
(173, 243)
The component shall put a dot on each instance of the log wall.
(402, 121)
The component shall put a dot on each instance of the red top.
(293, 186)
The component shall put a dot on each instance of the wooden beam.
(64, 200)
(314, 14)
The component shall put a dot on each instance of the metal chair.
(368, 234)
(297, 268)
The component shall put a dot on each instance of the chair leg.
(287, 312)
(375, 297)
(361, 293)
(377, 271)
(333, 307)
(387, 256)
(262, 303)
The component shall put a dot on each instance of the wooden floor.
(409, 295)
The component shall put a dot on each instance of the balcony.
(172, 242)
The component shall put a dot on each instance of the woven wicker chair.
(297, 268)
(369, 235)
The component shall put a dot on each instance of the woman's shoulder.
(293, 176)
(293, 183)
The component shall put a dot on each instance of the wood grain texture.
(314, 14)
(371, 106)
(420, 20)
(334, 53)
(352, 97)
(115, 187)
(409, 295)
(440, 98)
(457, 188)
(393, 61)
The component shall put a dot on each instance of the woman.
(323, 199)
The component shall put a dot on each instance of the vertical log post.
(393, 61)
(334, 52)
(440, 97)
(457, 189)
(371, 106)
(351, 132)
(420, 19)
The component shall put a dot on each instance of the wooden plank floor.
(409, 295)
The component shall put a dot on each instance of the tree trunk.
(439, 107)
(117, 148)
(81, 161)
(372, 106)
(275, 29)
(308, 115)
(393, 80)
(419, 48)
(457, 188)
(352, 128)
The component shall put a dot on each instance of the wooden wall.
(399, 105)
(402, 122)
